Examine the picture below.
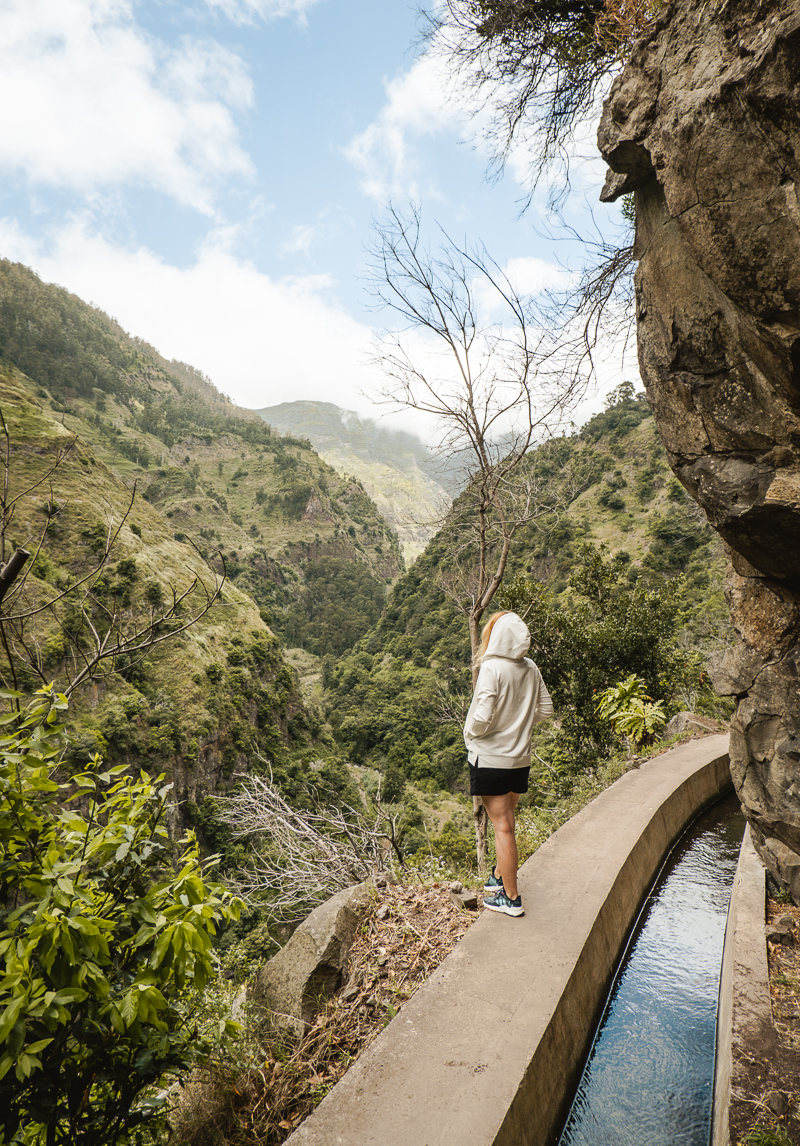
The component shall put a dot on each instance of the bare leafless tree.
(497, 391)
(100, 629)
(303, 857)
(474, 355)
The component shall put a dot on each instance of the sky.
(209, 173)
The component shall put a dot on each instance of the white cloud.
(429, 99)
(416, 105)
(531, 275)
(261, 340)
(528, 276)
(98, 103)
(299, 241)
(245, 11)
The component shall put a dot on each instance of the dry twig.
(305, 856)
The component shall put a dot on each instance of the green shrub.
(101, 943)
(455, 847)
(766, 1136)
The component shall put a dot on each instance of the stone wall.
(703, 125)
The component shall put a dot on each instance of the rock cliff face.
(704, 126)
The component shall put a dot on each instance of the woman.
(509, 698)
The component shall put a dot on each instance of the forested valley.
(207, 603)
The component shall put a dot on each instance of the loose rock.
(309, 969)
(777, 934)
(466, 899)
(777, 1103)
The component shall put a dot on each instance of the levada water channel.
(648, 1080)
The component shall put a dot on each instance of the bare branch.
(142, 639)
(304, 857)
(496, 388)
(93, 573)
(451, 707)
(536, 70)
(11, 570)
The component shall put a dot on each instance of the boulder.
(311, 967)
(683, 722)
(703, 125)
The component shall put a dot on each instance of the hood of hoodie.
(509, 638)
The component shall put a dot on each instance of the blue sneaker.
(501, 902)
(493, 883)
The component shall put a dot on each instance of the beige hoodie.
(509, 698)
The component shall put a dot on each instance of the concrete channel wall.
(490, 1049)
(744, 1017)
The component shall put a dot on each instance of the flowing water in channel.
(649, 1077)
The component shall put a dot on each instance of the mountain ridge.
(410, 484)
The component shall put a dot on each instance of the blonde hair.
(485, 635)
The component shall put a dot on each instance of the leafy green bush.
(678, 536)
(454, 847)
(629, 710)
(101, 942)
(624, 411)
(610, 499)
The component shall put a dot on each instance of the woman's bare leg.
(500, 810)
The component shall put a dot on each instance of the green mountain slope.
(196, 706)
(216, 472)
(410, 486)
(307, 555)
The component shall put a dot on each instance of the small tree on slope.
(481, 366)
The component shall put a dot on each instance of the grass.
(766, 1136)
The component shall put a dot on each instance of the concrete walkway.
(490, 1048)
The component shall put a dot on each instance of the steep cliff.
(703, 125)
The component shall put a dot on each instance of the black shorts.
(497, 781)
